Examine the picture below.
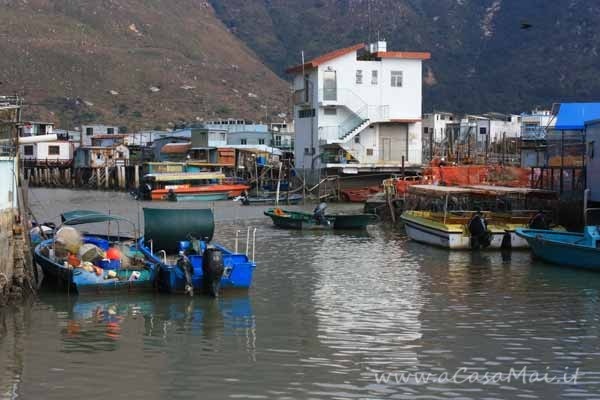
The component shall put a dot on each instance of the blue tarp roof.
(573, 116)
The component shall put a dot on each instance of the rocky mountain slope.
(482, 58)
(138, 63)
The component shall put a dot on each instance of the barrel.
(167, 227)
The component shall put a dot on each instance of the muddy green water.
(326, 315)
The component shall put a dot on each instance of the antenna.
(369, 22)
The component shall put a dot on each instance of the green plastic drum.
(167, 227)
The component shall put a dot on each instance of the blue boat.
(138, 274)
(579, 250)
(179, 243)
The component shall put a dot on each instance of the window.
(591, 149)
(308, 113)
(243, 141)
(369, 152)
(330, 111)
(425, 130)
(396, 78)
(357, 139)
(98, 156)
(28, 150)
(261, 141)
(110, 131)
(306, 150)
(374, 76)
(89, 131)
(53, 150)
(483, 130)
(120, 154)
(359, 77)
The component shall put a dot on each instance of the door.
(385, 149)
(393, 142)
(329, 86)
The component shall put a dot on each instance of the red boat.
(192, 183)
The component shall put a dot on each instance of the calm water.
(326, 313)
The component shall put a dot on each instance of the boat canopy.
(184, 176)
(438, 190)
(167, 227)
(508, 190)
(80, 217)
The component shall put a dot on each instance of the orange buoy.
(113, 254)
(73, 260)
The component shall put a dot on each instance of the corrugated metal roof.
(573, 116)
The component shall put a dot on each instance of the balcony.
(533, 133)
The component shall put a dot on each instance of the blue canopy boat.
(580, 250)
(179, 243)
(57, 262)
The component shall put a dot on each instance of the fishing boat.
(579, 250)
(304, 220)
(448, 231)
(179, 243)
(451, 210)
(61, 257)
(189, 186)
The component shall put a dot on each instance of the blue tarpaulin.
(573, 116)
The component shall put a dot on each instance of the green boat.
(304, 220)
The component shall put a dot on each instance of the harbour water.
(328, 313)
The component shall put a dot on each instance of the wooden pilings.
(120, 177)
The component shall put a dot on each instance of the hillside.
(138, 63)
(481, 58)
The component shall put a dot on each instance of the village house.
(283, 135)
(434, 132)
(534, 128)
(99, 156)
(87, 131)
(358, 109)
(36, 128)
(54, 153)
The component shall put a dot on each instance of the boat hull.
(232, 190)
(305, 221)
(239, 271)
(562, 248)
(202, 196)
(449, 240)
(76, 280)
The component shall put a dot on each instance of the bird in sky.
(526, 25)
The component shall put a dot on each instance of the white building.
(283, 134)
(35, 128)
(48, 153)
(359, 106)
(535, 124)
(87, 131)
(434, 125)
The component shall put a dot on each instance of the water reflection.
(368, 300)
(96, 324)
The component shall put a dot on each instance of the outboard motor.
(186, 266)
(213, 268)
